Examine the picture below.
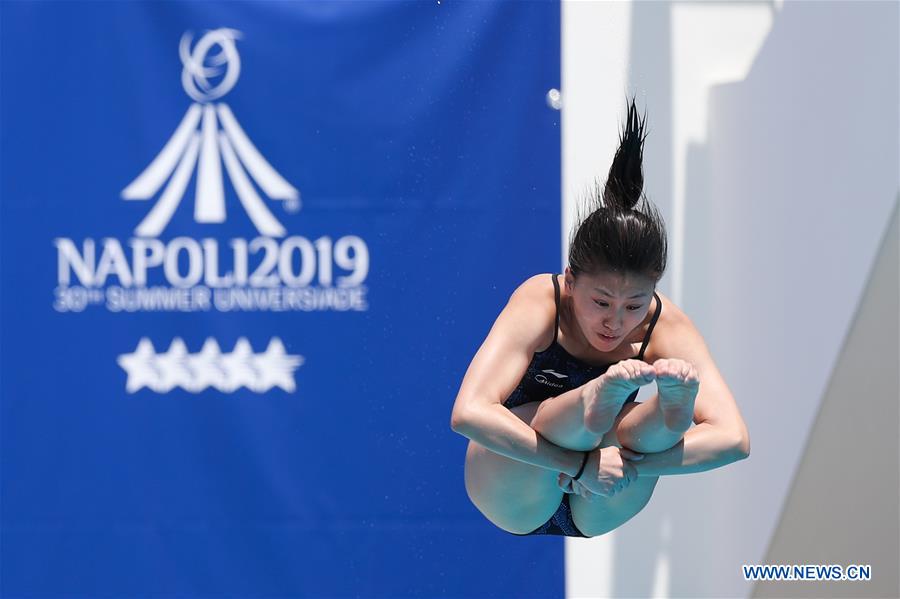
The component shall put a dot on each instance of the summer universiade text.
(203, 299)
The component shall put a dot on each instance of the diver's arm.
(525, 326)
(719, 435)
(498, 429)
(704, 447)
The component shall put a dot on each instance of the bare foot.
(604, 396)
(678, 384)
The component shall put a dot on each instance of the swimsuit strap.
(556, 298)
(652, 324)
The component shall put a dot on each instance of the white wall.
(773, 155)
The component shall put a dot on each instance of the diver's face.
(609, 305)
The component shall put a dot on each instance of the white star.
(206, 367)
(276, 368)
(173, 368)
(210, 367)
(239, 368)
(140, 366)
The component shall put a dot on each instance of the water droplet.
(554, 99)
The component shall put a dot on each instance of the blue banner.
(248, 251)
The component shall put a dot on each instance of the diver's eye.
(605, 305)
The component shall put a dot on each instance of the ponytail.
(626, 178)
(624, 231)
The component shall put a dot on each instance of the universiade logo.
(275, 271)
(226, 372)
(199, 141)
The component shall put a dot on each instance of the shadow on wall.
(844, 500)
(786, 205)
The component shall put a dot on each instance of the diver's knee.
(595, 520)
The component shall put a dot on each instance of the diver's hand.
(574, 487)
(608, 471)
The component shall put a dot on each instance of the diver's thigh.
(515, 496)
(604, 514)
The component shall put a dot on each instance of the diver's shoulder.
(672, 327)
(537, 288)
(671, 313)
(530, 314)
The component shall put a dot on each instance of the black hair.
(624, 232)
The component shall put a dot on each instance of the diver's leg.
(659, 423)
(644, 429)
(515, 496)
(600, 514)
(579, 418)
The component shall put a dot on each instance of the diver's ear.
(569, 278)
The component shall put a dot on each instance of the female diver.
(558, 444)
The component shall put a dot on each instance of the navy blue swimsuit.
(552, 372)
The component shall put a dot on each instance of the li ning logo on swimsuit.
(545, 381)
(199, 141)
